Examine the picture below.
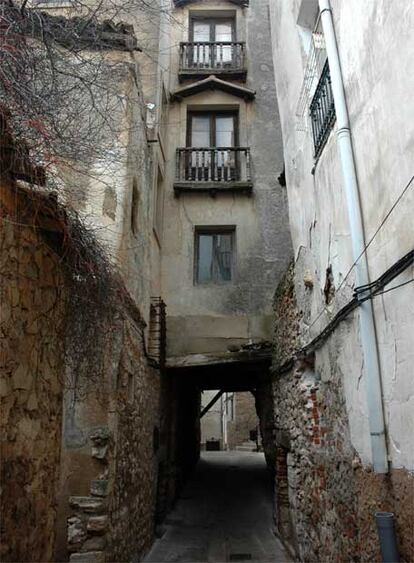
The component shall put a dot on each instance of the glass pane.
(200, 131)
(225, 138)
(201, 53)
(224, 131)
(223, 257)
(205, 258)
(201, 31)
(223, 33)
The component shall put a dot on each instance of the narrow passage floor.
(223, 514)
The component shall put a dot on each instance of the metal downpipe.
(386, 534)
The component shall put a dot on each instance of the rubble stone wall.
(325, 500)
(110, 513)
(137, 438)
(31, 313)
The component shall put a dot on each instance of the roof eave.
(213, 83)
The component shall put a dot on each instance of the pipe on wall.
(386, 534)
(369, 341)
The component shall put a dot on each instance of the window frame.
(158, 211)
(212, 21)
(135, 199)
(214, 230)
(213, 116)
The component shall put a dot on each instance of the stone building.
(82, 331)
(149, 277)
(182, 207)
(224, 210)
(343, 407)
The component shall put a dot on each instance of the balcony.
(201, 59)
(219, 169)
(322, 111)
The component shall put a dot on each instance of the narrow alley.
(206, 281)
(224, 513)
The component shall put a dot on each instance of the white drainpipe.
(224, 420)
(366, 314)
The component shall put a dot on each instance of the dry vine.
(60, 92)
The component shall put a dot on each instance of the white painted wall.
(376, 44)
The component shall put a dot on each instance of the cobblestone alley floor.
(223, 514)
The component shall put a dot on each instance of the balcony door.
(214, 134)
(209, 36)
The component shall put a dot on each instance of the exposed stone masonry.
(31, 315)
(91, 496)
(324, 499)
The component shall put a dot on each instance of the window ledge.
(230, 73)
(212, 187)
(51, 4)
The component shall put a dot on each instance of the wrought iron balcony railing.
(204, 57)
(322, 111)
(213, 168)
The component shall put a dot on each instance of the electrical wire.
(396, 202)
(377, 231)
(394, 287)
(361, 295)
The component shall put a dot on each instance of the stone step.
(88, 504)
(88, 557)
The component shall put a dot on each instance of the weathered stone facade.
(79, 446)
(325, 500)
(32, 370)
(114, 519)
(132, 505)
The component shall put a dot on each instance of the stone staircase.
(88, 525)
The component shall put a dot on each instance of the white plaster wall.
(375, 43)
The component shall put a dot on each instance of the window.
(134, 208)
(316, 103)
(159, 206)
(212, 129)
(217, 130)
(213, 31)
(162, 126)
(214, 255)
(322, 111)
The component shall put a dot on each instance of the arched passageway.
(224, 510)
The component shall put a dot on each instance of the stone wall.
(113, 443)
(132, 506)
(79, 442)
(31, 313)
(245, 420)
(325, 500)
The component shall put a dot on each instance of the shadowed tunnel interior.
(224, 513)
(224, 510)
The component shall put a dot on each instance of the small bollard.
(386, 534)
